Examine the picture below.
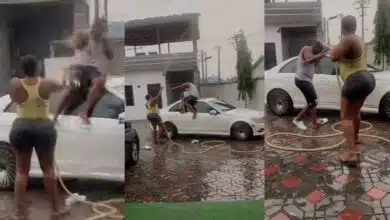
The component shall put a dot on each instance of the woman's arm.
(154, 99)
(15, 83)
(107, 49)
(339, 51)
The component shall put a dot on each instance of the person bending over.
(153, 116)
(190, 97)
(33, 129)
(358, 84)
(308, 58)
(87, 74)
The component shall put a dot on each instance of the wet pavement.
(314, 185)
(166, 174)
(39, 207)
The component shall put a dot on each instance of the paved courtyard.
(316, 186)
(167, 174)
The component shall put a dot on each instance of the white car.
(95, 151)
(215, 117)
(282, 96)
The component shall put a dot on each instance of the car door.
(205, 123)
(181, 121)
(96, 149)
(286, 79)
(325, 83)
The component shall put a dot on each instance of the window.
(326, 66)
(129, 95)
(270, 59)
(176, 108)
(202, 107)
(109, 106)
(222, 106)
(290, 67)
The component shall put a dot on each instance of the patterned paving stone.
(164, 175)
(326, 189)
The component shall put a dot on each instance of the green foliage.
(245, 85)
(382, 33)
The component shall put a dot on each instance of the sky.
(219, 20)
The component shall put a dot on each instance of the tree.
(382, 33)
(245, 85)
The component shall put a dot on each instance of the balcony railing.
(163, 62)
(287, 13)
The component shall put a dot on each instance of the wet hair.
(147, 97)
(348, 24)
(80, 40)
(317, 47)
(29, 65)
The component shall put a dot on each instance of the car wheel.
(133, 153)
(384, 107)
(241, 131)
(7, 167)
(171, 130)
(280, 102)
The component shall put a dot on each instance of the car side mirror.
(122, 118)
(213, 112)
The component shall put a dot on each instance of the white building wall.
(139, 82)
(273, 36)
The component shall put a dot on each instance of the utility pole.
(206, 58)
(361, 6)
(202, 65)
(219, 61)
(97, 6)
(106, 9)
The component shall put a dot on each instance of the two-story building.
(147, 72)
(288, 27)
(28, 27)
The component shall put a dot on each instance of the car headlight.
(258, 120)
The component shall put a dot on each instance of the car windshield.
(222, 106)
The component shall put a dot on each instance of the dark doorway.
(153, 90)
(294, 38)
(270, 56)
(129, 95)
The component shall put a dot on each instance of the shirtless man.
(358, 84)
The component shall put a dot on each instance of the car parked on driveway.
(95, 151)
(282, 96)
(215, 117)
(131, 145)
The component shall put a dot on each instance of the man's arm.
(181, 86)
(309, 57)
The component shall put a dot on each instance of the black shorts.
(154, 119)
(38, 134)
(191, 100)
(358, 85)
(307, 88)
(83, 75)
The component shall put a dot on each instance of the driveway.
(39, 207)
(167, 174)
(314, 185)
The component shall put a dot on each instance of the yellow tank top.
(152, 108)
(348, 67)
(34, 107)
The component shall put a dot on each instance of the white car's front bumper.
(258, 128)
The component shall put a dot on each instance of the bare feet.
(316, 125)
(61, 213)
(18, 216)
(350, 158)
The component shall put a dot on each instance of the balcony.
(293, 13)
(161, 62)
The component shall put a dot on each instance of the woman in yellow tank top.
(358, 84)
(153, 116)
(33, 129)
